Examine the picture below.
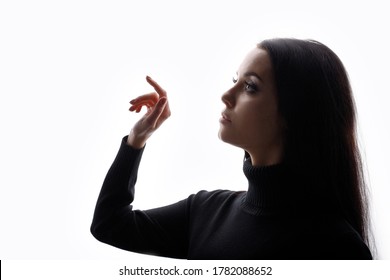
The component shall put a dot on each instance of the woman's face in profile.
(251, 119)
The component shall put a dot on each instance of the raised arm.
(161, 231)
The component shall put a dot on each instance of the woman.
(291, 110)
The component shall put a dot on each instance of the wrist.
(135, 142)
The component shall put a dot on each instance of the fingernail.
(148, 78)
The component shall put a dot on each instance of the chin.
(221, 136)
(224, 138)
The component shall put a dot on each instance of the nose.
(228, 98)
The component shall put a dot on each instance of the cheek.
(250, 124)
(259, 120)
(253, 114)
(250, 121)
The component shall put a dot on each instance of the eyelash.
(249, 86)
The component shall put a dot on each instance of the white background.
(69, 68)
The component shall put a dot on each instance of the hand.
(157, 112)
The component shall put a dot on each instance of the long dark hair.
(316, 102)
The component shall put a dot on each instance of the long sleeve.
(260, 223)
(161, 231)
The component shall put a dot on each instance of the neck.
(278, 190)
(266, 157)
(271, 190)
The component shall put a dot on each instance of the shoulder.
(206, 199)
(216, 195)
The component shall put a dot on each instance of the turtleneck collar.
(271, 190)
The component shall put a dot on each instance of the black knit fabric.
(268, 221)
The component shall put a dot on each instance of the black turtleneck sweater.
(266, 222)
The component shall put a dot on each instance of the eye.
(250, 86)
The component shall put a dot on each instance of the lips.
(226, 118)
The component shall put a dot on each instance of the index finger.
(161, 92)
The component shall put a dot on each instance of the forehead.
(258, 61)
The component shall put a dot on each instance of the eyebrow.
(247, 74)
